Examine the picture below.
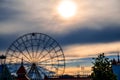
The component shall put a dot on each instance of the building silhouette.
(116, 67)
(21, 73)
(4, 72)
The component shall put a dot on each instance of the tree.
(102, 69)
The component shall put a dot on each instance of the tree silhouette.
(102, 69)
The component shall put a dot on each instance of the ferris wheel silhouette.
(40, 53)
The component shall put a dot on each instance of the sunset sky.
(93, 26)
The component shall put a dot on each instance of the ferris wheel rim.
(40, 34)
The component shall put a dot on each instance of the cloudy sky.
(93, 29)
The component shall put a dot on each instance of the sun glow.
(67, 8)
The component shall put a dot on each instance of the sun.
(67, 8)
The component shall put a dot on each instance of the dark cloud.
(85, 35)
(7, 12)
(6, 40)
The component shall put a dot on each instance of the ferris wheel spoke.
(49, 59)
(53, 45)
(40, 53)
(21, 51)
(50, 68)
(43, 48)
(49, 52)
(52, 48)
(41, 69)
(45, 68)
(43, 56)
(33, 37)
(39, 39)
(55, 50)
(18, 58)
(32, 47)
(26, 48)
(13, 51)
(35, 40)
(44, 38)
(37, 48)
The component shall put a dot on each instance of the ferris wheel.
(40, 53)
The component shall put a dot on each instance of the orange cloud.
(91, 49)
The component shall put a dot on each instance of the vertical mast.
(118, 57)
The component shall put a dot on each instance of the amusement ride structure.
(41, 55)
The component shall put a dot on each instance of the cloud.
(94, 29)
(84, 35)
(89, 50)
(7, 10)
(41, 16)
(6, 40)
